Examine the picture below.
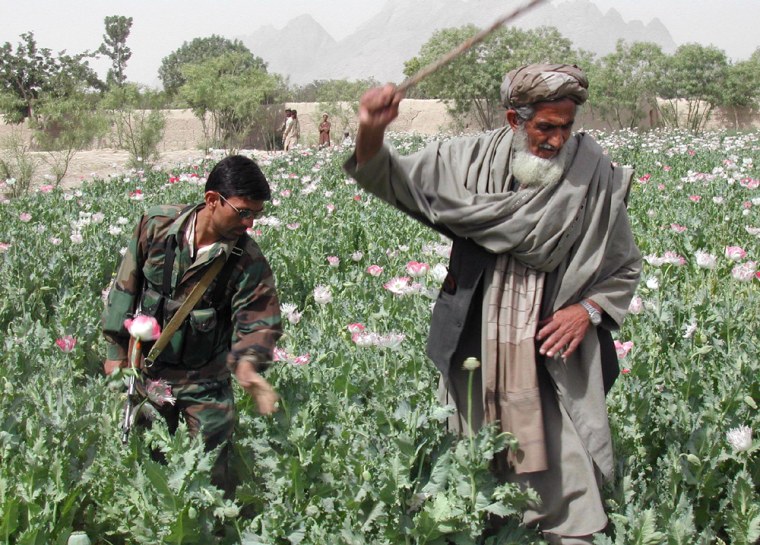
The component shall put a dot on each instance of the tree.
(741, 90)
(339, 98)
(470, 84)
(114, 47)
(66, 126)
(199, 50)
(139, 120)
(31, 74)
(232, 92)
(624, 83)
(692, 85)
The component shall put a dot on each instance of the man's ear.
(211, 198)
(512, 119)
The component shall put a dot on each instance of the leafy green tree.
(623, 84)
(197, 51)
(139, 121)
(339, 98)
(66, 126)
(470, 84)
(114, 47)
(31, 74)
(692, 85)
(231, 92)
(742, 86)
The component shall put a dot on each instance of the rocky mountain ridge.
(304, 51)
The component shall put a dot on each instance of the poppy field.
(358, 451)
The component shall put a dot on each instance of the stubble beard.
(531, 170)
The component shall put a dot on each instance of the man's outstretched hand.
(257, 387)
(378, 107)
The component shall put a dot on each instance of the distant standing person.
(292, 132)
(285, 125)
(324, 132)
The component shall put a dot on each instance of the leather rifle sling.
(192, 299)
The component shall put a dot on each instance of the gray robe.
(575, 230)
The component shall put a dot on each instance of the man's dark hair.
(288, 110)
(238, 176)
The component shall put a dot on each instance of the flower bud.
(470, 364)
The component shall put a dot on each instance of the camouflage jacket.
(245, 323)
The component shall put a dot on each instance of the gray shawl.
(576, 230)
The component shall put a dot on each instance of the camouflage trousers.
(207, 409)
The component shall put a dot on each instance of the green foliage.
(332, 90)
(337, 98)
(359, 451)
(17, 164)
(139, 121)
(196, 52)
(231, 92)
(741, 90)
(30, 75)
(66, 126)
(692, 85)
(623, 85)
(114, 47)
(470, 84)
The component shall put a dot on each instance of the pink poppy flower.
(159, 392)
(374, 270)
(303, 359)
(749, 183)
(415, 269)
(333, 261)
(678, 228)
(330, 208)
(46, 188)
(695, 198)
(143, 327)
(25, 217)
(622, 349)
(645, 178)
(735, 253)
(66, 343)
(745, 271)
(398, 285)
(625, 371)
(355, 328)
(281, 354)
(4, 247)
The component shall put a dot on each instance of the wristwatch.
(594, 316)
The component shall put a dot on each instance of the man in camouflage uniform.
(234, 327)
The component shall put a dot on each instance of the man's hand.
(256, 386)
(377, 108)
(110, 366)
(563, 331)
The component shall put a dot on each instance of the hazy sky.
(161, 26)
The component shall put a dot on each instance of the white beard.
(531, 170)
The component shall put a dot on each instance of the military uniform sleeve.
(124, 293)
(256, 322)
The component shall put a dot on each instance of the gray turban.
(543, 82)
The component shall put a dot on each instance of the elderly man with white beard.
(543, 267)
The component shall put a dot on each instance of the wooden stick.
(464, 46)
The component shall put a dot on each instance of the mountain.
(378, 48)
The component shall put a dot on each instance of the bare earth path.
(103, 163)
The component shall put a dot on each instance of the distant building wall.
(185, 131)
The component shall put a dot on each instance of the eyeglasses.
(245, 213)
